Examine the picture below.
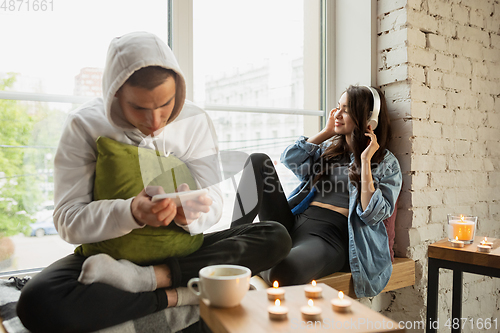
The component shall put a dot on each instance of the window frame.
(339, 63)
(181, 17)
(330, 79)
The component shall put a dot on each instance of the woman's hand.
(367, 186)
(330, 123)
(372, 147)
(327, 132)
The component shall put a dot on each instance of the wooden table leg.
(432, 295)
(456, 301)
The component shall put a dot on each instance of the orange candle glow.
(462, 229)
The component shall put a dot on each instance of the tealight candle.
(486, 242)
(275, 293)
(312, 290)
(310, 312)
(277, 312)
(483, 248)
(457, 243)
(340, 304)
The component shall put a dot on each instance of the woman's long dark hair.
(360, 105)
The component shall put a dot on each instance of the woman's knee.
(259, 158)
(307, 262)
(288, 273)
(261, 161)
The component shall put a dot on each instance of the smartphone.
(178, 197)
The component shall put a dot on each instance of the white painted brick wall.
(444, 62)
(446, 116)
(386, 7)
(393, 20)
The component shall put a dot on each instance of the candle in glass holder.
(462, 227)
(310, 312)
(275, 292)
(312, 290)
(340, 304)
(277, 312)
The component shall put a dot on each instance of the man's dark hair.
(150, 77)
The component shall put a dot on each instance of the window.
(54, 63)
(248, 73)
(255, 66)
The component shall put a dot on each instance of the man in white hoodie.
(143, 104)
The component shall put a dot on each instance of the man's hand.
(191, 209)
(155, 214)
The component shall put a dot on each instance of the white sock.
(121, 274)
(186, 297)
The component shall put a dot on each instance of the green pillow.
(118, 176)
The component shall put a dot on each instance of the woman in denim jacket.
(350, 184)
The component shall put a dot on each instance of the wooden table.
(251, 315)
(459, 260)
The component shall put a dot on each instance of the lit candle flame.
(275, 284)
(277, 302)
(462, 218)
(310, 302)
(313, 283)
(341, 295)
(456, 238)
(485, 242)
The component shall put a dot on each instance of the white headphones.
(373, 120)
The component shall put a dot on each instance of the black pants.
(319, 235)
(54, 301)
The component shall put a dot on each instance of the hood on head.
(127, 54)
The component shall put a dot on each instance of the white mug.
(222, 285)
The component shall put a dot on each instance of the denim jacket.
(369, 254)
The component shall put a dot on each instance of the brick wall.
(439, 66)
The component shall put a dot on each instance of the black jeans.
(319, 235)
(54, 300)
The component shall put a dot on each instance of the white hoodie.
(190, 137)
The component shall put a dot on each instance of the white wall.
(355, 44)
(439, 66)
